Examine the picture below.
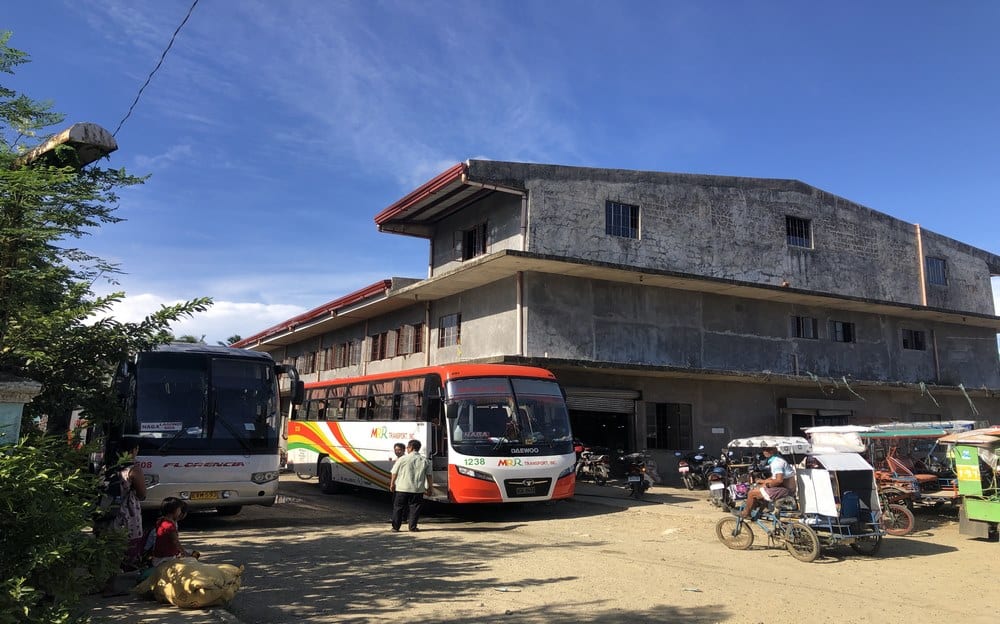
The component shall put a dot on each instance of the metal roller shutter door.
(598, 400)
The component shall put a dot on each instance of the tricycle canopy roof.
(975, 437)
(842, 461)
(784, 444)
(837, 439)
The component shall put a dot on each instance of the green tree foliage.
(47, 557)
(54, 330)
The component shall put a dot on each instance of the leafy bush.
(48, 555)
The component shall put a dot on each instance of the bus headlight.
(264, 477)
(475, 474)
(151, 479)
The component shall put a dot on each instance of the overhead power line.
(150, 77)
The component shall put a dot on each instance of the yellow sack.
(191, 584)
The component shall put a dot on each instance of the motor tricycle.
(975, 455)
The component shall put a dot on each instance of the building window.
(914, 339)
(411, 339)
(805, 327)
(841, 331)
(450, 330)
(377, 347)
(668, 426)
(798, 231)
(354, 353)
(936, 271)
(474, 242)
(323, 359)
(621, 219)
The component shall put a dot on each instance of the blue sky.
(275, 131)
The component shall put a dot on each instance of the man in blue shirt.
(407, 483)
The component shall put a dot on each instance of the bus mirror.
(298, 392)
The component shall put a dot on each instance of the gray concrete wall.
(489, 322)
(734, 228)
(575, 318)
(502, 214)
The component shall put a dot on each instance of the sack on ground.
(191, 584)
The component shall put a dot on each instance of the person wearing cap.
(781, 483)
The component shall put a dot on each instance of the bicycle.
(799, 539)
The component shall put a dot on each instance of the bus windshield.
(185, 403)
(489, 416)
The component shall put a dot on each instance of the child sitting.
(164, 541)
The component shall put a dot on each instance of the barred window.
(621, 219)
(936, 271)
(798, 231)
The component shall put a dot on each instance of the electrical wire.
(150, 77)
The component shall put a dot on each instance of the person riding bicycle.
(780, 484)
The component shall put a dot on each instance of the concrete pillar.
(15, 393)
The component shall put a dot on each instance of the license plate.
(524, 491)
(633, 479)
(716, 486)
(205, 495)
(683, 469)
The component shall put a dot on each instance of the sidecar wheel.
(802, 542)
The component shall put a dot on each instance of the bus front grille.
(524, 488)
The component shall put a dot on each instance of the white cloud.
(165, 159)
(220, 321)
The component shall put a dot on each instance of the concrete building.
(675, 309)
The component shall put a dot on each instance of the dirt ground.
(598, 558)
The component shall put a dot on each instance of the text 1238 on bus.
(495, 433)
(207, 420)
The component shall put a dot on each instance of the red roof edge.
(421, 193)
(326, 308)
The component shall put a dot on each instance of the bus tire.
(326, 483)
(228, 510)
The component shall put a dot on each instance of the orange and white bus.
(494, 432)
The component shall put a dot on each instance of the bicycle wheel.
(897, 519)
(867, 546)
(725, 528)
(801, 541)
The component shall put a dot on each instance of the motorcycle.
(593, 466)
(637, 476)
(718, 482)
(692, 468)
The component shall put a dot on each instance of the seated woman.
(165, 535)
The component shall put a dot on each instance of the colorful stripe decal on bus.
(315, 437)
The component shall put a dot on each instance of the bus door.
(439, 446)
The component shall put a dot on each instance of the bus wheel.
(228, 510)
(326, 483)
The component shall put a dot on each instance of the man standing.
(409, 475)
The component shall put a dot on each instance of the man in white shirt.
(409, 474)
(781, 483)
